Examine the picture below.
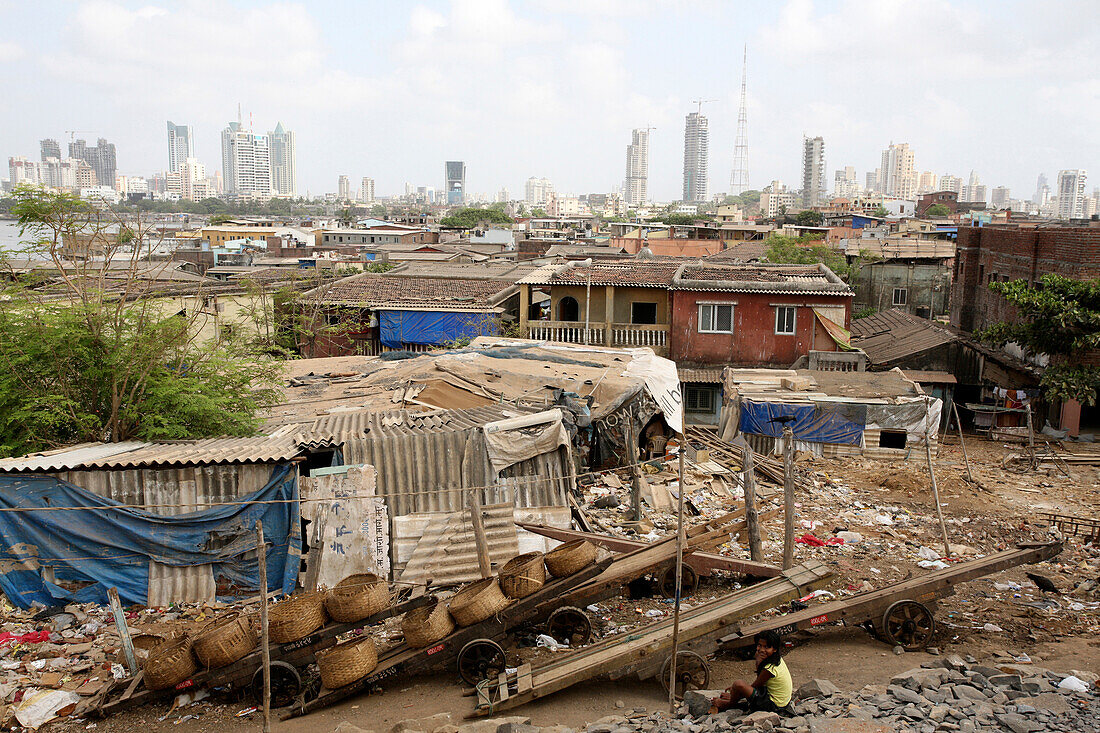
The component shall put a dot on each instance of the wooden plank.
(523, 679)
(502, 687)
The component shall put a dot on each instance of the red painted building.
(755, 315)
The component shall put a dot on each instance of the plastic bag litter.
(884, 519)
(992, 627)
(1074, 684)
(928, 553)
(850, 538)
(548, 642)
(41, 706)
(932, 564)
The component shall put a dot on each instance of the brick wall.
(988, 254)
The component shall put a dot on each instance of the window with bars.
(698, 399)
(715, 318)
(784, 320)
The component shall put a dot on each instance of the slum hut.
(162, 522)
(880, 414)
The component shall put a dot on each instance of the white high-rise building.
(974, 191)
(813, 171)
(927, 182)
(1042, 191)
(343, 189)
(366, 190)
(898, 175)
(636, 185)
(284, 169)
(999, 197)
(189, 182)
(246, 162)
(951, 183)
(696, 157)
(538, 191)
(180, 146)
(1071, 194)
(846, 183)
(23, 171)
(503, 196)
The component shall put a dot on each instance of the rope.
(484, 697)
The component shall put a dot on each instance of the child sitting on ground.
(771, 691)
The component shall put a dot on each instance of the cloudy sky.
(553, 87)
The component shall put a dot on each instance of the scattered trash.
(992, 628)
(932, 564)
(928, 553)
(1073, 684)
(42, 706)
(246, 712)
(548, 642)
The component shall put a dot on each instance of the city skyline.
(953, 126)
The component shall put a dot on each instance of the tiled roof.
(371, 290)
(892, 335)
(740, 252)
(742, 278)
(637, 273)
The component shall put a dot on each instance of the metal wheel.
(689, 582)
(480, 659)
(908, 624)
(571, 625)
(692, 672)
(286, 684)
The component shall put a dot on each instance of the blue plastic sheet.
(111, 545)
(817, 423)
(432, 327)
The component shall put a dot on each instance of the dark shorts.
(760, 701)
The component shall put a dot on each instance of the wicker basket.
(224, 641)
(356, 597)
(523, 575)
(348, 662)
(296, 617)
(426, 625)
(170, 663)
(567, 559)
(477, 602)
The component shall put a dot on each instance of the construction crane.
(73, 133)
(701, 102)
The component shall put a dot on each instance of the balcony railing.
(620, 334)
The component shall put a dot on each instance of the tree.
(809, 218)
(91, 354)
(880, 212)
(1058, 317)
(810, 249)
(538, 212)
(470, 217)
(937, 210)
(378, 211)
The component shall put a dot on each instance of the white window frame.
(905, 297)
(714, 319)
(794, 320)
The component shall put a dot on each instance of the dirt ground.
(997, 510)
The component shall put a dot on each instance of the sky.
(553, 88)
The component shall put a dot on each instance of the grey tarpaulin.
(913, 416)
(511, 441)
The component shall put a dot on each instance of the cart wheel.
(692, 673)
(286, 683)
(480, 659)
(689, 582)
(908, 624)
(571, 625)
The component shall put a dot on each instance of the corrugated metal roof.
(700, 376)
(892, 335)
(215, 451)
(331, 428)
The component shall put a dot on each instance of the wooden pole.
(123, 630)
(932, 472)
(679, 580)
(635, 485)
(261, 559)
(788, 498)
(752, 518)
(480, 541)
(962, 443)
(1031, 437)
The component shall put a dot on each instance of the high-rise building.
(101, 158)
(58, 173)
(284, 169)
(455, 188)
(898, 175)
(999, 197)
(845, 183)
(76, 149)
(538, 191)
(50, 149)
(696, 157)
(974, 191)
(1042, 191)
(503, 196)
(85, 176)
(636, 185)
(813, 171)
(927, 182)
(951, 183)
(874, 181)
(366, 191)
(180, 146)
(22, 171)
(246, 162)
(343, 189)
(1071, 194)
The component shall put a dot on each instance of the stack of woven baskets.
(347, 662)
(170, 663)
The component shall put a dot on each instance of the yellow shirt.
(779, 687)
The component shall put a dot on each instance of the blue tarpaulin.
(432, 327)
(111, 545)
(818, 423)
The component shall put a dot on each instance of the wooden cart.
(901, 614)
(646, 652)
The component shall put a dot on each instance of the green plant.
(937, 210)
(864, 312)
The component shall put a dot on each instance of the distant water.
(9, 236)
